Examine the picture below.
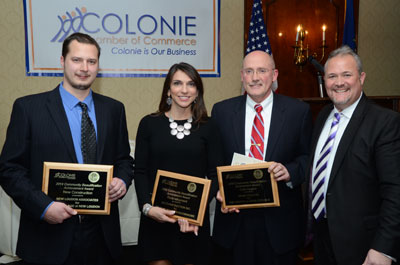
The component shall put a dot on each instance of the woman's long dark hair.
(199, 111)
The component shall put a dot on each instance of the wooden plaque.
(84, 187)
(186, 195)
(248, 186)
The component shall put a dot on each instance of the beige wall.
(140, 95)
(379, 38)
(379, 46)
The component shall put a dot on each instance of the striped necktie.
(318, 197)
(257, 135)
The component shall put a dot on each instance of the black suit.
(38, 132)
(288, 143)
(363, 195)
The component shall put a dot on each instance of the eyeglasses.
(259, 71)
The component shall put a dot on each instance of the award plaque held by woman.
(179, 138)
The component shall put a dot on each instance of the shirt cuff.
(389, 257)
(45, 210)
(289, 184)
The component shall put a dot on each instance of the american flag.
(258, 37)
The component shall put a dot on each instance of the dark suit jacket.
(288, 143)
(363, 196)
(38, 132)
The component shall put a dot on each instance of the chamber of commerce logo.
(73, 22)
(80, 20)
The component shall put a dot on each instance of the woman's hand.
(161, 215)
(186, 227)
(226, 210)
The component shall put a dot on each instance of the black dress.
(197, 154)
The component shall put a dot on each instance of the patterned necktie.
(318, 198)
(88, 137)
(257, 135)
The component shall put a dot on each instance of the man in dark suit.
(266, 235)
(47, 127)
(354, 190)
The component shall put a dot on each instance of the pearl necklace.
(180, 130)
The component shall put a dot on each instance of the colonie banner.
(138, 38)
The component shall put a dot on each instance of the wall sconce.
(301, 49)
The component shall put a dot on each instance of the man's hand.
(116, 189)
(376, 258)
(58, 212)
(280, 172)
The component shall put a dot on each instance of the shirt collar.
(71, 101)
(265, 103)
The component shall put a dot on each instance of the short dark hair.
(81, 38)
(199, 111)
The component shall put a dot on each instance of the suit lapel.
(277, 121)
(348, 136)
(238, 124)
(57, 113)
(101, 125)
(319, 125)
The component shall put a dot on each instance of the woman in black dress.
(179, 138)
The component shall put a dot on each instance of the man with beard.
(47, 127)
(354, 185)
(265, 235)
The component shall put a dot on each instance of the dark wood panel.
(283, 16)
(390, 102)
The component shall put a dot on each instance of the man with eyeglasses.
(269, 127)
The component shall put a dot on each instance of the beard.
(340, 102)
(75, 85)
(80, 87)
